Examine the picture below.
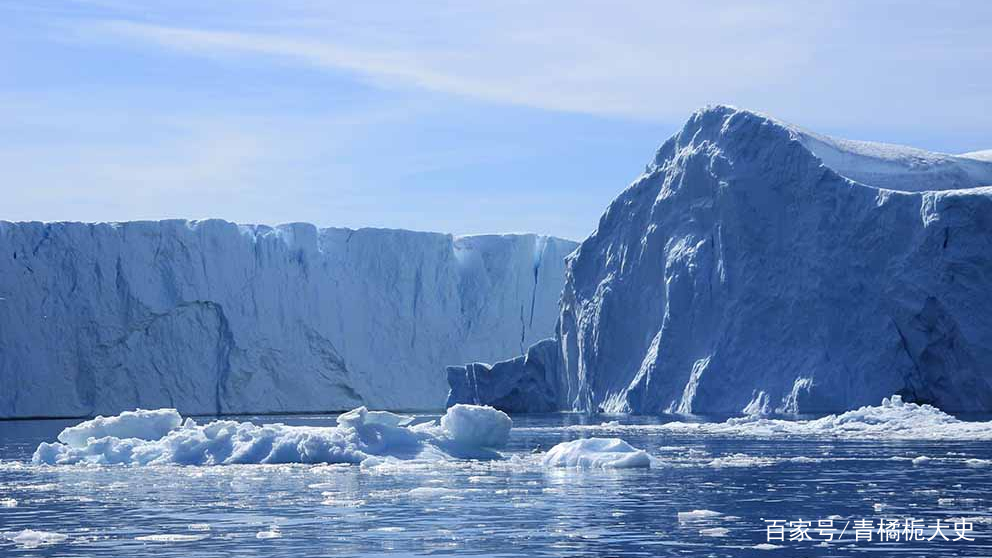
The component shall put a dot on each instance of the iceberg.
(597, 453)
(210, 317)
(756, 267)
(464, 432)
(527, 383)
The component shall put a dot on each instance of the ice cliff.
(212, 317)
(757, 267)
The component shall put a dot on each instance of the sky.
(461, 117)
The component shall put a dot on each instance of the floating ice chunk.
(921, 460)
(140, 424)
(198, 527)
(477, 426)
(430, 492)
(29, 538)
(894, 419)
(697, 515)
(170, 537)
(978, 462)
(741, 460)
(271, 533)
(612, 453)
(979, 520)
(767, 546)
(8, 503)
(465, 431)
(362, 415)
(714, 532)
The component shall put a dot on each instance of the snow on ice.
(591, 453)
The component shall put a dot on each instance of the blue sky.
(449, 116)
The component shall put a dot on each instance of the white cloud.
(644, 61)
(836, 63)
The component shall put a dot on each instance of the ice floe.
(171, 538)
(30, 538)
(893, 419)
(272, 533)
(162, 437)
(714, 532)
(606, 453)
(741, 460)
(697, 515)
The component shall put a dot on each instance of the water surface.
(513, 507)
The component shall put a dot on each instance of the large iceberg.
(757, 267)
(212, 317)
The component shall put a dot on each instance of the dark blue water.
(514, 507)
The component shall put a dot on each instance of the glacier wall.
(757, 267)
(212, 317)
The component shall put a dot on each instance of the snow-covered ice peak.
(984, 155)
(880, 165)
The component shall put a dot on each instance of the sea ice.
(714, 532)
(893, 420)
(170, 537)
(464, 431)
(741, 460)
(272, 533)
(607, 453)
(697, 515)
(29, 538)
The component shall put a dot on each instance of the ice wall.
(212, 317)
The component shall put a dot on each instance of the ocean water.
(513, 507)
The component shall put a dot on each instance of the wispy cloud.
(627, 60)
(815, 62)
